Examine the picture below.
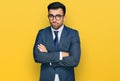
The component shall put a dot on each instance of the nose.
(54, 19)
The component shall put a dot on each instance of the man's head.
(56, 14)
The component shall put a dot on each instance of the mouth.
(54, 23)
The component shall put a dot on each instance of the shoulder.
(70, 29)
(46, 29)
(73, 33)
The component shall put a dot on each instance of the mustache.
(54, 22)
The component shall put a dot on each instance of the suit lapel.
(63, 36)
(50, 38)
(62, 39)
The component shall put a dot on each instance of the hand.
(42, 48)
(65, 54)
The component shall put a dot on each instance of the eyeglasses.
(57, 17)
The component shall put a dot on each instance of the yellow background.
(98, 23)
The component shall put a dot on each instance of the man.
(57, 47)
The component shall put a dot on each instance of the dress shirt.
(59, 35)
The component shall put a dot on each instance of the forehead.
(56, 11)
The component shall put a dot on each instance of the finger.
(40, 49)
(42, 45)
(39, 44)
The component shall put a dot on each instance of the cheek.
(50, 21)
(61, 21)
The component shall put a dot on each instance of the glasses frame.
(57, 17)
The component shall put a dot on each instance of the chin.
(55, 27)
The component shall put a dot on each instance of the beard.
(56, 25)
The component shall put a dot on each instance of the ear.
(64, 16)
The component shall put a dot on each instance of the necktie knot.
(56, 33)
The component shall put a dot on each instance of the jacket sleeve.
(43, 57)
(74, 52)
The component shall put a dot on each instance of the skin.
(56, 25)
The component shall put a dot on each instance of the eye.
(50, 15)
(58, 15)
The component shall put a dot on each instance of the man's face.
(56, 17)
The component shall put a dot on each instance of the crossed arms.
(70, 59)
(42, 48)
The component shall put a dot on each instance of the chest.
(64, 42)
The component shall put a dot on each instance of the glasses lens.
(57, 17)
(50, 17)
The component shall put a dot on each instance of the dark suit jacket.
(69, 42)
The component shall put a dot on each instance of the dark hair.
(56, 5)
